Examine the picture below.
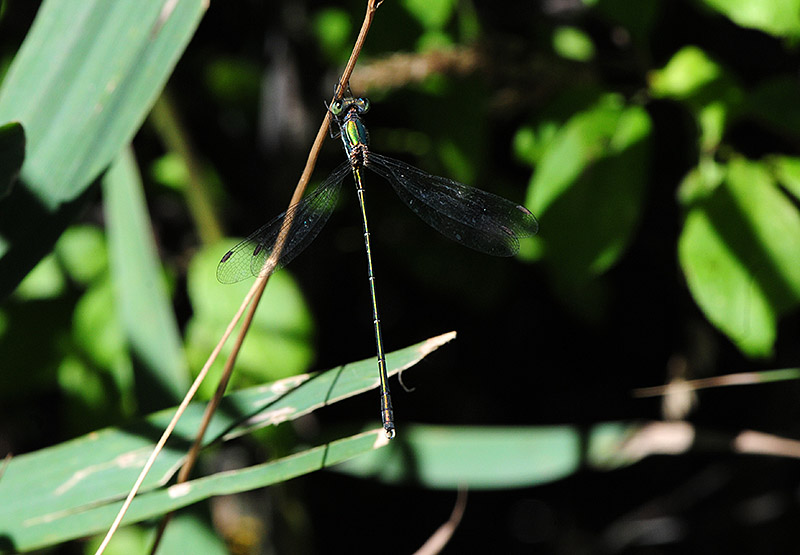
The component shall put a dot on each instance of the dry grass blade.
(252, 300)
(741, 378)
(439, 539)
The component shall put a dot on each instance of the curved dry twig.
(251, 299)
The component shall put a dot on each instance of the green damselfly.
(477, 219)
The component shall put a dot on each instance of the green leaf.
(45, 281)
(83, 251)
(723, 287)
(774, 223)
(531, 144)
(776, 17)
(738, 250)
(96, 326)
(279, 338)
(442, 457)
(81, 85)
(74, 489)
(588, 188)
(687, 72)
(170, 170)
(432, 14)
(140, 295)
(701, 181)
(90, 394)
(188, 532)
(95, 514)
(579, 144)
(573, 44)
(714, 97)
(129, 539)
(12, 154)
(787, 171)
(332, 27)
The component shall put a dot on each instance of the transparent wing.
(476, 219)
(308, 217)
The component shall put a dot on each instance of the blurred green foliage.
(573, 44)
(278, 343)
(657, 141)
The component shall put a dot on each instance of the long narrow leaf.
(139, 292)
(12, 153)
(82, 83)
(444, 457)
(56, 527)
(41, 492)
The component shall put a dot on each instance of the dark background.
(524, 355)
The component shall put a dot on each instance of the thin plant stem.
(269, 265)
(174, 422)
(174, 135)
(252, 299)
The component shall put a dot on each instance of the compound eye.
(336, 107)
(364, 104)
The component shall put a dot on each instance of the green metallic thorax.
(354, 135)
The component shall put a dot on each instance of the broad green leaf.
(81, 85)
(588, 190)
(774, 223)
(603, 131)
(74, 489)
(689, 70)
(738, 250)
(776, 17)
(712, 94)
(278, 342)
(443, 457)
(723, 287)
(140, 295)
(12, 154)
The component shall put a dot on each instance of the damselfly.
(476, 219)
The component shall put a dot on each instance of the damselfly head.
(342, 105)
(361, 104)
